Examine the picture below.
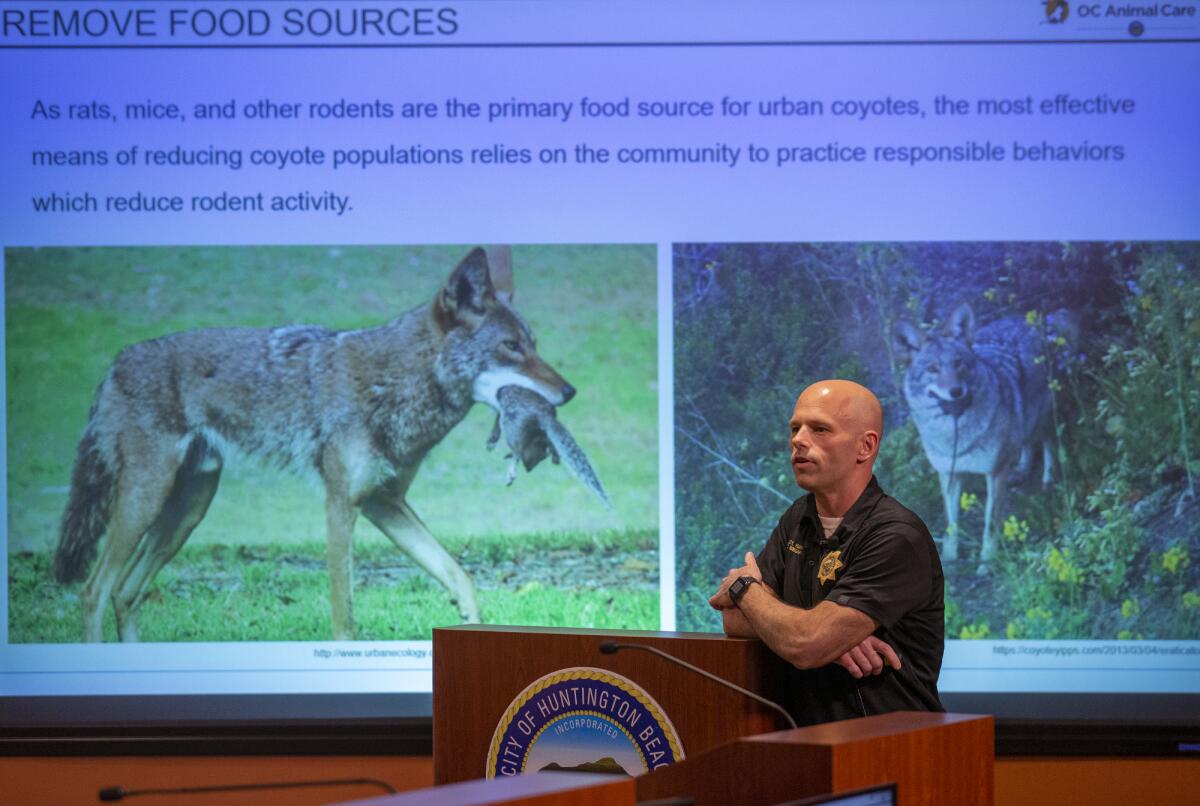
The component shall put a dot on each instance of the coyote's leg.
(1026, 460)
(402, 526)
(341, 511)
(1049, 463)
(340, 514)
(951, 493)
(997, 485)
(142, 485)
(194, 488)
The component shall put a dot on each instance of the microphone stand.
(611, 648)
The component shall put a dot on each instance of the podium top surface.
(614, 789)
(513, 628)
(866, 728)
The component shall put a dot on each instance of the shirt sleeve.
(890, 576)
(770, 559)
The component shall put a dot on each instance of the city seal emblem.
(583, 719)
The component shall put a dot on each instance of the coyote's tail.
(86, 516)
(574, 458)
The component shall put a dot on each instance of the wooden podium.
(932, 759)
(735, 752)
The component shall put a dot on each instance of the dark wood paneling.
(743, 773)
(934, 760)
(479, 670)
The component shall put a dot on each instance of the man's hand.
(720, 600)
(869, 657)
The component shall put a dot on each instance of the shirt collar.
(858, 512)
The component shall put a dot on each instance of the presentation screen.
(327, 324)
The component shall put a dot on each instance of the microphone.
(114, 793)
(611, 647)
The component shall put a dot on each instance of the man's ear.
(467, 292)
(868, 446)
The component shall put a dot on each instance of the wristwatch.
(739, 587)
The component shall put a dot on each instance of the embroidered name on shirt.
(794, 547)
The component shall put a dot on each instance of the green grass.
(271, 593)
(69, 311)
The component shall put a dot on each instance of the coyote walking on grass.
(361, 407)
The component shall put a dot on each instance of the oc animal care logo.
(583, 719)
(1057, 11)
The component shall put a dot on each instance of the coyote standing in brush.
(981, 401)
(362, 407)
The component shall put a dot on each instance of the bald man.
(848, 589)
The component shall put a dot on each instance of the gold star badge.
(831, 563)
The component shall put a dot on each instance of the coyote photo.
(980, 398)
(360, 407)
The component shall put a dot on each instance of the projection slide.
(249, 448)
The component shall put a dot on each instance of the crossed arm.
(804, 638)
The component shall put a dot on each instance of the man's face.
(823, 445)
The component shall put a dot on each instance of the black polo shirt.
(881, 561)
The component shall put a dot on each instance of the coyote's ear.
(907, 339)
(467, 292)
(500, 267)
(961, 324)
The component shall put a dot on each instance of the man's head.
(836, 428)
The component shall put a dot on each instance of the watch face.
(735, 590)
(738, 588)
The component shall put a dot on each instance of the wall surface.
(61, 781)
(1088, 781)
